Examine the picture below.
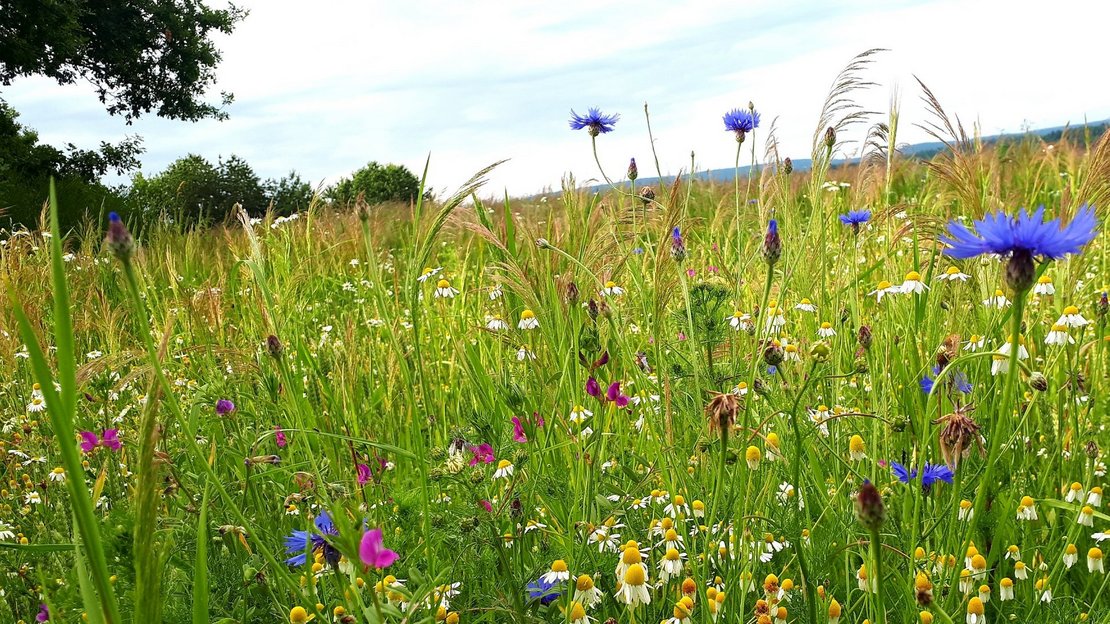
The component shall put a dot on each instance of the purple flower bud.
(119, 239)
(633, 172)
(224, 407)
(772, 244)
(593, 388)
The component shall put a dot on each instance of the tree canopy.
(141, 55)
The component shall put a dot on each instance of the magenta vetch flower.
(615, 395)
(108, 439)
(485, 504)
(373, 552)
(518, 431)
(593, 388)
(363, 474)
(224, 407)
(483, 453)
(279, 436)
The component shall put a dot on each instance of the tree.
(141, 55)
(289, 194)
(378, 184)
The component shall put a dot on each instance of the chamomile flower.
(528, 320)
(752, 457)
(775, 319)
(579, 414)
(670, 566)
(1075, 493)
(1071, 556)
(913, 284)
(524, 353)
(1094, 497)
(953, 274)
(1006, 589)
(444, 290)
(1021, 571)
(866, 584)
(1027, 509)
(1072, 318)
(966, 511)
(495, 293)
(36, 405)
(496, 323)
(557, 573)
(884, 288)
(585, 591)
(826, 330)
(975, 611)
(578, 614)
(1086, 516)
(1094, 561)
(428, 274)
(1044, 286)
(975, 342)
(677, 507)
(790, 353)
(58, 475)
(856, 449)
(739, 321)
(612, 290)
(997, 300)
(805, 305)
(1001, 360)
(633, 590)
(504, 470)
(1058, 336)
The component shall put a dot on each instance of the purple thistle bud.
(772, 244)
(869, 507)
(119, 239)
(224, 407)
(678, 248)
(273, 346)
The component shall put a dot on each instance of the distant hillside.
(922, 151)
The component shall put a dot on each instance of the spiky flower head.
(1022, 238)
(787, 166)
(594, 121)
(633, 172)
(741, 122)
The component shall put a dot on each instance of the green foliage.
(142, 56)
(26, 166)
(377, 184)
(192, 191)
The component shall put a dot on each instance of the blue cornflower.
(855, 218)
(741, 122)
(929, 475)
(544, 591)
(1022, 237)
(958, 380)
(594, 120)
(303, 542)
(1003, 235)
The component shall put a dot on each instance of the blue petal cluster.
(1001, 234)
(300, 543)
(958, 380)
(929, 475)
(741, 120)
(855, 217)
(595, 120)
(543, 591)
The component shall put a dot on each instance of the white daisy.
(528, 320)
(953, 274)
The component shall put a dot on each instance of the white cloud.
(326, 89)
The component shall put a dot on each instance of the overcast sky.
(324, 87)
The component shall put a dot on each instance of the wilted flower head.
(594, 121)
(722, 410)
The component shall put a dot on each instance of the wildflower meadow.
(868, 391)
